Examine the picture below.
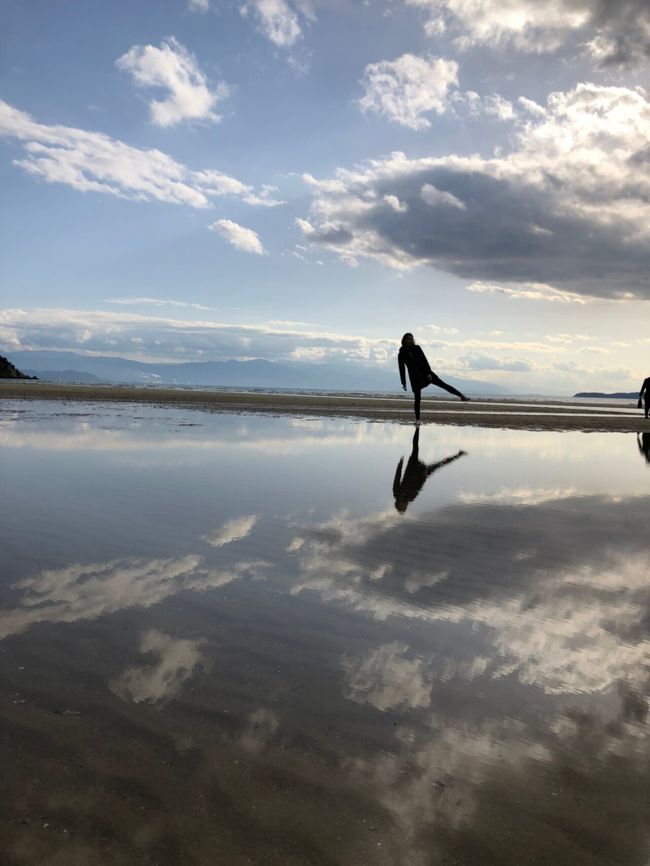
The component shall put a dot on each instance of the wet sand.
(221, 643)
(621, 416)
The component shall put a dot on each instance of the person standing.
(645, 389)
(411, 357)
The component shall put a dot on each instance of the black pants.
(438, 382)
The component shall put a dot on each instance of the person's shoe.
(464, 398)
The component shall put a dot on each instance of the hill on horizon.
(52, 365)
(9, 371)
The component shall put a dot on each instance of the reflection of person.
(643, 441)
(411, 357)
(645, 389)
(407, 487)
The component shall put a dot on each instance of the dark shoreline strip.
(502, 413)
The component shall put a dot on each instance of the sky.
(306, 180)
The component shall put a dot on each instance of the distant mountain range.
(72, 367)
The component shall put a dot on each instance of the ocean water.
(232, 639)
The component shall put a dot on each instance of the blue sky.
(305, 180)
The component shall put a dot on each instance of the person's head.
(408, 339)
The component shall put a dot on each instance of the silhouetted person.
(645, 390)
(411, 357)
(407, 487)
(643, 441)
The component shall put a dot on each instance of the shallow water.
(222, 643)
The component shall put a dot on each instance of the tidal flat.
(234, 638)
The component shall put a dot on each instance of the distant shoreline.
(494, 412)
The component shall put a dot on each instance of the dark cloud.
(624, 28)
(566, 208)
(512, 232)
(485, 550)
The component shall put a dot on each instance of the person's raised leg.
(438, 382)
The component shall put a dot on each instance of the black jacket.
(415, 361)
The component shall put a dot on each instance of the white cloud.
(405, 89)
(94, 162)
(395, 203)
(519, 495)
(529, 25)
(198, 5)
(621, 31)
(158, 338)
(386, 678)
(492, 105)
(528, 291)
(501, 108)
(474, 361)
(276, 20)
(174, 69)
(565, 214)
(435, 197)
(240, 237)
(232, 530)
(261, 728)
(158, 302)
(91, 590)
(151, 684)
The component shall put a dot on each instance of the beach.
(615, 417)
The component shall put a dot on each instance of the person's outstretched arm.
(397, 481)
(402, 369)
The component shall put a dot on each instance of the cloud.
(528, 291)
(90, 590)
(260, 730)
(198, 5)
(161, 681)
(386, 678)
(434, 197)
(239, 237)
(520, 495)
(276, 20)
(566, 613)
(232, 530)
(159, 338)
(174, 69)
(158, 302)
(94, 162)
(395, 203)
(565, 214)
(612, 31)
(534, 26)
(405, 89)
(485, 362)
